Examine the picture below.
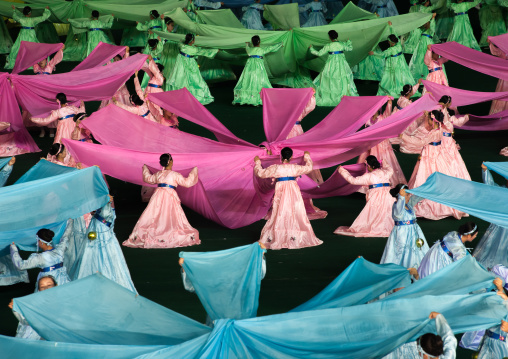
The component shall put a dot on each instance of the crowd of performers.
(390, 211)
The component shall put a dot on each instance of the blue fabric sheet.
(44, 169)
(96, 310)
(360, 283)
(498, 167)
(477, 199)
(227, 282)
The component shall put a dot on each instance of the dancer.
(156, 23)
(435, 68)
(316, 17)
(210, 5)
(251, 18)
(335, 79)
(462, 31)
(491, 21)
(417, 64)
(370, 68)
(64, 115)
(405, 100)
(163, 223)
(122, 94)
(169, 119)
(411, 41)
(81, 134)
(414, 142)
(96, 29)
(288, 226)
(186, 71)
(27, 32)
(406, 245)
(375, 220)
(384, 8)
(156, 79)
(46, 66)
(396, 73)
(59, 155)
(448, 250)
(170, 50)
(254, 78)
(137, 105)
(502, 86)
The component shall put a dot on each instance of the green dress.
(254, 77)
(370, 68)
(27, 33)
(186, 73)
(156, 54)
(75, 46)
(96, 32)
(151, 25)
(462, 31)
(298, 79)
(170, 52)
(335, 79)
(409, 45)
(491, 21)
(416, 65)
(5, 39)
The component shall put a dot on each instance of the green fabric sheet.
(283, 17)
(221, 17)
(352, 13)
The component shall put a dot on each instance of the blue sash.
(447, 134)
(84, 139)
(316, 10)
(95, 29)
(63, 118)
(298, 122)
(435, 69)
(146, 114)
(27, 28)
(184, 54)
(400, 108)
(156, 86)
(256, 56)
(381, 6)
(49, 269)
(156, 27)
(282, 179)
(400, 53)
(495, 336)
(445, 248)
(430, 37)
(165, 185)
(44, 73)
(435, 143)
(335, 52)
(403, 223)
(461, 13)
(379, 185)
(101, 219)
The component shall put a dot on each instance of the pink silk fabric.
(462, 97)
(476, 60)
(37, 94)
(101, 55)
(501, 42)
(31, 53)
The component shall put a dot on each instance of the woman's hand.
(262, 245)
(371, 53)
(433, 315)
(79, 166)
(180, 261)
(498, 282)
(390, 23)
(484, 168)
(504, 326)
(429, 46)
(414, 273)
(306, 153)
(12, 161)
(11, 304)
(256, 159)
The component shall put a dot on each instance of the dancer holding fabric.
(170, 50)
(251, 18)
(59, 155)
(79, 133)
(410, 43)
(435, 68)
(405, 100)
(254, 77)
(122, 94)
(417, 64)
(415, 141)
(316, 17)
(27, 32)
(462, 31)
(406, 245)
(448, 250)
(375, 220)
(335, 79)
(163, 223)
(137, 104)
(384, 8)
(156, 23)
(96, 29)
(186, 71)
(288, 226)
(491, 20)
(156, 81)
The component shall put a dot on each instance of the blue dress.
(251, 19)
(493, 247)
(104, 254)
(316, 17)
(384, 8)
(492, 346)
(437, 258)
(404, 246)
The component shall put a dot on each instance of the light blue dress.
(436, 258)
(316, 17)
(384, 8)
(493, 247)
(104, 254)
(251, 18)
(401, 247)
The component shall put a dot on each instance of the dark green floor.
(293, 276)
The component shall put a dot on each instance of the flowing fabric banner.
(100, 56)
(462, 97)
(352, 13)
(284, 17)
(498, 167)
(220, 17)
(501, 41)
(31, 53)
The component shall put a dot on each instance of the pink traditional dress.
(163, 223)
(502, 85)
(122, 95)
(414, 142)
(436, 70)
(81, 135)
(65, 117)
(142, 110)
(403, 102)
(155, 85)
(449, 144)
(288, 226)
(375, 220)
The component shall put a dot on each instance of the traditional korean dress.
(151, 25)
(370, 68)
(462, 31)
(449, 144)
(406, 245)
(186, 73)
(251, 18)
(122, 95)
(335, 79)
(163, 223)
(96, 32)
(502, 86)
(156, 81)
(494, 344)
(5, 39)
(491, 21)
(254, 78)
(410, 43)
(375, 220)
(435, 69)
(65, 117)
(403, 102)
(414, 142)
(170, 52)
(288, 226)
(156, 54)
(27, 33)
(316, 17)
(384, 8)
(417, 65)
(443, 253)
(103, 254)
(143, 110)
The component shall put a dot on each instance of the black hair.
(168, 20)
(155, 14)
(56, 148)
(393, 38)
(136, 100)
(432, 344)
(445, 99)
(382, 108)
(45, 234)
(255, 40)
(79, 116)
(373, 162)
(469, 228)
(50, 277)
(160, 67)
(332, 34)
(62, 98)
(153, 43)
(164, 159)
(27, 10)
(438, 115)
(119, 57)
(95, 14)
(395, 190)
(286, 153)
(188, 39)
(406, 89)
(451, 112)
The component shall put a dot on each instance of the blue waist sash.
(379, 185)
(44, 73)
(404, 223)
(282, 179)
(84, 139)
(381, 6)
(68, 116)
(298, 122)
(146, 114)
(447, 134)
(256, 56)
(165, 185)
(316, 10)
(95, 29)
(27, 28)
(175, 126)
(461, 13)
(495, 335)
(435, 143)
(155, 58)
(435, 69)
(156, 27)
(400, 53)
(335, 52)
(49, 269)
(430, 37)
(400, 108)
(186, 55)
(445, 248)
(101, 219)
(156, 86)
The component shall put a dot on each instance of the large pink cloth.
(436, 70)
(65, 118)
(288, 226)
(122, 95)
(4, 126)
(163, 223)
(448, 143)
(501, 41)
(31, 53)
(375, 220)
(502, 85)
(50, 65)
(462, 97)
(101, 55)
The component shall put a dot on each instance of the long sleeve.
(187, 284)
(45, 15)
(45, 121)
(272, 48)
(449, 340)
(488, 179)
(80, 24)
(388, 109)
(154, 69)
(363, 180)
(4, 174)
(139, 90)
(459, 121)
(64, 241)
(34, 261)
(108, 24)
(148, 177)
(398, 208)
(494, 50)
(305, 7)
(413, 201)
(191, 179)
(261, 172)
(321, 52)
(142, 27)
(210, 53)
(56, 59)
(302, 170)
(17, 15)
(131, 109)
(427, 59)
(472, 4)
